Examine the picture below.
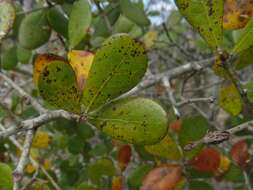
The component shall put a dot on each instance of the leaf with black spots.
(117, 67)
(57, 85)
(206, 17)
(134, 120)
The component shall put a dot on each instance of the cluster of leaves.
(91, 81)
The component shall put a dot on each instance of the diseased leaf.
(224, 166)
(100, 168)
(208, 160)
(34, 30)
(166, 148)
(245, 39)
(117, 183)
(162, 177)
(176, 125)
(134, 11)
(6, 182)
(218, 67)
(117, 67)
(199, 125)
(237, 13)
(41, 140)
(58, 22)
(79, 22)
(41, 61)
(124, 156)
(7, 17)
(57, 85)
(81, 63)
(206, 17)
(240, 154)
(230, 99)
(134, 120)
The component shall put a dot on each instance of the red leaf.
(175, 125)
(164, 177)
(240, 154)
(124, 156)
(208, 160)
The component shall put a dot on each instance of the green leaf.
(58, 21)
(98, 150)
(198, 124)
(34, 30)
(249, 90)
(85, 186)
(192, 129)
(199, 185)
(9, 59)
(101, 167)
(134, 120)
(117, 67)
(234, 174)
(79, 22)
(230, 99)
(136, 176)
(6, 182)
(166, 148)
(100, 27)
(122, 25)
(7, 18)
(246, 38)
(23, 55)
(206, 17)
(135, 12)
(57, 85)
(245, 58)
(75, 145)
(84, 131)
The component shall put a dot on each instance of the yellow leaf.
(230, 99)
(224, 165)
(117, 183)
(41, 61)
(149, 39)
(237, 13)
(30, 168)
(47, 164)
(81, 62)
(41, 140)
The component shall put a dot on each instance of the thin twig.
(18, 173)
(25, 95)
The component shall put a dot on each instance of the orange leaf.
(208, 160)
(124, 156)
(117, 183)
(240, 154)
(164, 177)
(81, 62)
(175, 125)
(237, 13)
(41, 61)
